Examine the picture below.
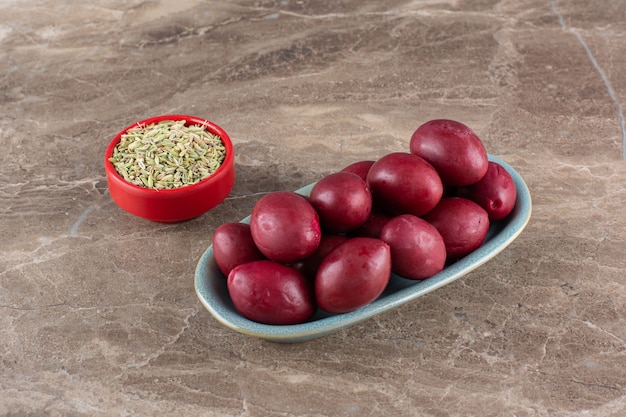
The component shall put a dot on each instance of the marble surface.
(98, 314)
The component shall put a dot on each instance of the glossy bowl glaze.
(179, 204)
(212, 291)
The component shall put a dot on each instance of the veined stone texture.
(98, 313)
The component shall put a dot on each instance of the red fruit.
(309, 265)
(495, 192)
(285, 227)
(354, 274)
(455, 151)
(342, 200)
(463, 225)
(360, 168)
(417, 248)
(404, 183)
(271, 293)
(373, 225)
(233, 245)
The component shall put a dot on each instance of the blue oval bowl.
(211, 287)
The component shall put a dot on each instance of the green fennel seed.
(167, 155)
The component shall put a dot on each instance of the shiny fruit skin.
(271, 293)
(361, 168)
(404, 183)
(233, 245)
(495, 192)
(417, 248)
(353, 275)
(342, 200)
(453, 149)
(285, 227)
(463, 225)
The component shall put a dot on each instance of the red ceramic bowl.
(179, 204)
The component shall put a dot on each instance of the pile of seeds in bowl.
(167, 154)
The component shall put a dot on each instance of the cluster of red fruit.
(409, 213)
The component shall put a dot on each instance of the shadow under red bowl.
(178, 204)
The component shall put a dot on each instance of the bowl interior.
(189, 120)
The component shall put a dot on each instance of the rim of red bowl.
(210, 126)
